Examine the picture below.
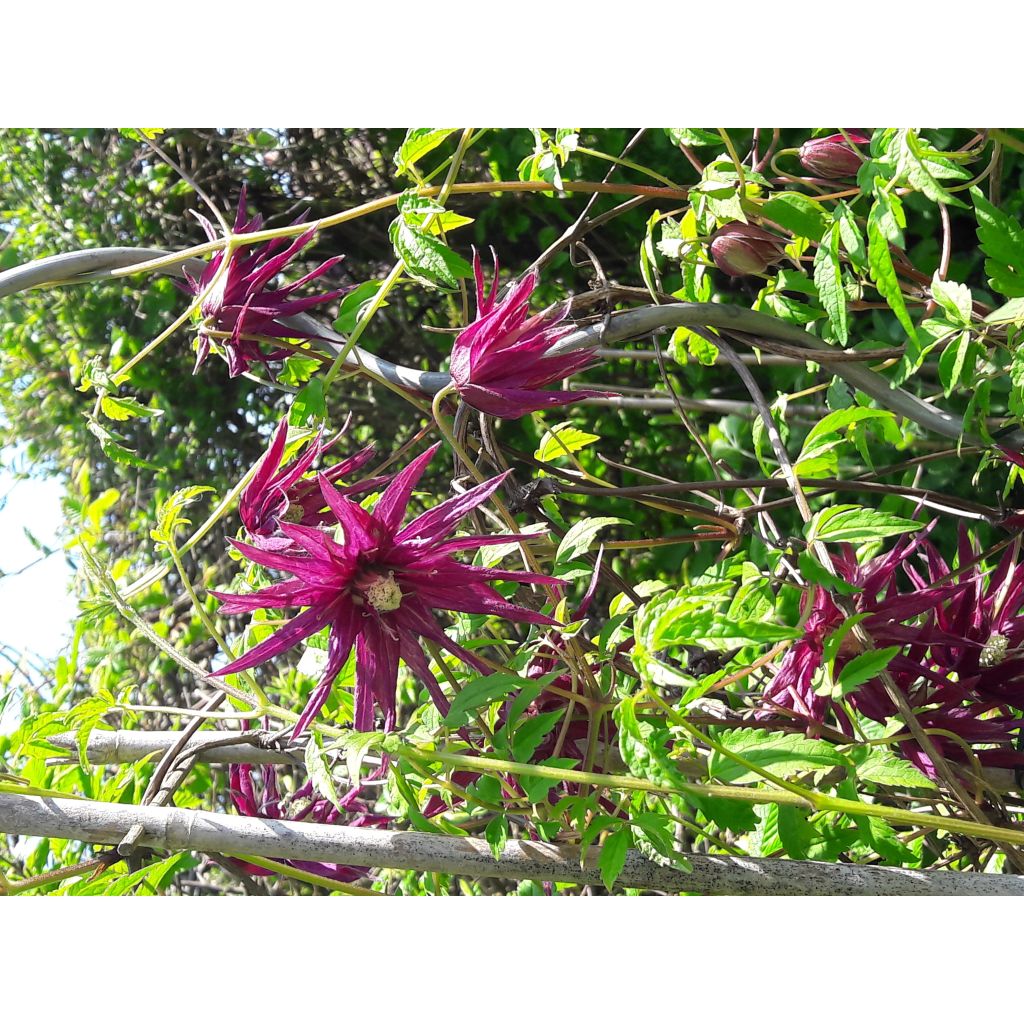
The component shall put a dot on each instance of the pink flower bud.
(740, 249)
(832, 157)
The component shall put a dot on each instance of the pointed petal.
(390, 509)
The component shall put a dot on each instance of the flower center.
(994, 651)
(292, 514)
(383, 593)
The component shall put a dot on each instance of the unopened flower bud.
(832, 156)
(740, 249)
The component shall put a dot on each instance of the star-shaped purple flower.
(243, 304)
(376, 584)
(499, 362)
(279, 493)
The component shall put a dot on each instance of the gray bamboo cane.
(123, 746)
(204, 832)
(91, 264)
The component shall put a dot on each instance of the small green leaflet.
(797, 213)
(126, 408)
(779, 753)
(319, 770)
(418, 143)
(812, 572)
(884, 768)
(354, 305)
(883, 273)
(954, 298)
(854, 524)
(559, 440)
(851, 237)
(1002, 241)
(918, 163)
(309, 405)
(863, 667)
(693, 137)
(827, 435)
(581, 535)
(612, 858)
(427, 258)
(479, 693)
(169, 516)
(828, 276)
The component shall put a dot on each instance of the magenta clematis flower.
(376, 587)
(499, 361)
(278, 493)
(264, 800)
(961, 661)
(242, 303)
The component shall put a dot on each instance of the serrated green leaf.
(884, 768)
(480, 692)
(427, 258)
(693, 137)
(797, 213)
(1002, 241)
(354, 304)
(561, 439)
(612, 858)
(126, 409)
(954, 298)
(828, 276)
(496, 835)
(309, 405)
(851, 237)
(581, 535)
(417, 144)
(319, 770)
(813, 572)
(780, 753)
(860, 669)
(853, 524)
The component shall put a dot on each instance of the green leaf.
(693, 137)
(854, 524)
(863, 667)
(813, 572)
(1011, 312)
(559, 440)
(169, 517)
(780, 753)
(612, 858)
(581, 535)
(953, 360)
(702, 624)
(797, 213)
(851, 237)
(910, 154)
(418, 143)
(883, 273)
(354, 304)
(531, 731)
(883, 767)
(309, 405)
(828, 276)
(319, 770)
(427, 258)
(496, 835)
(479, 693)
(1002, 241)
(954, 298)
(126, 408)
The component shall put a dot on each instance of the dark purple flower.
(376, 587)
(243, 304)
(279, 493)
(499, 361)
(741, 249)
(832, 156)
(264, 801)
(960, 666)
